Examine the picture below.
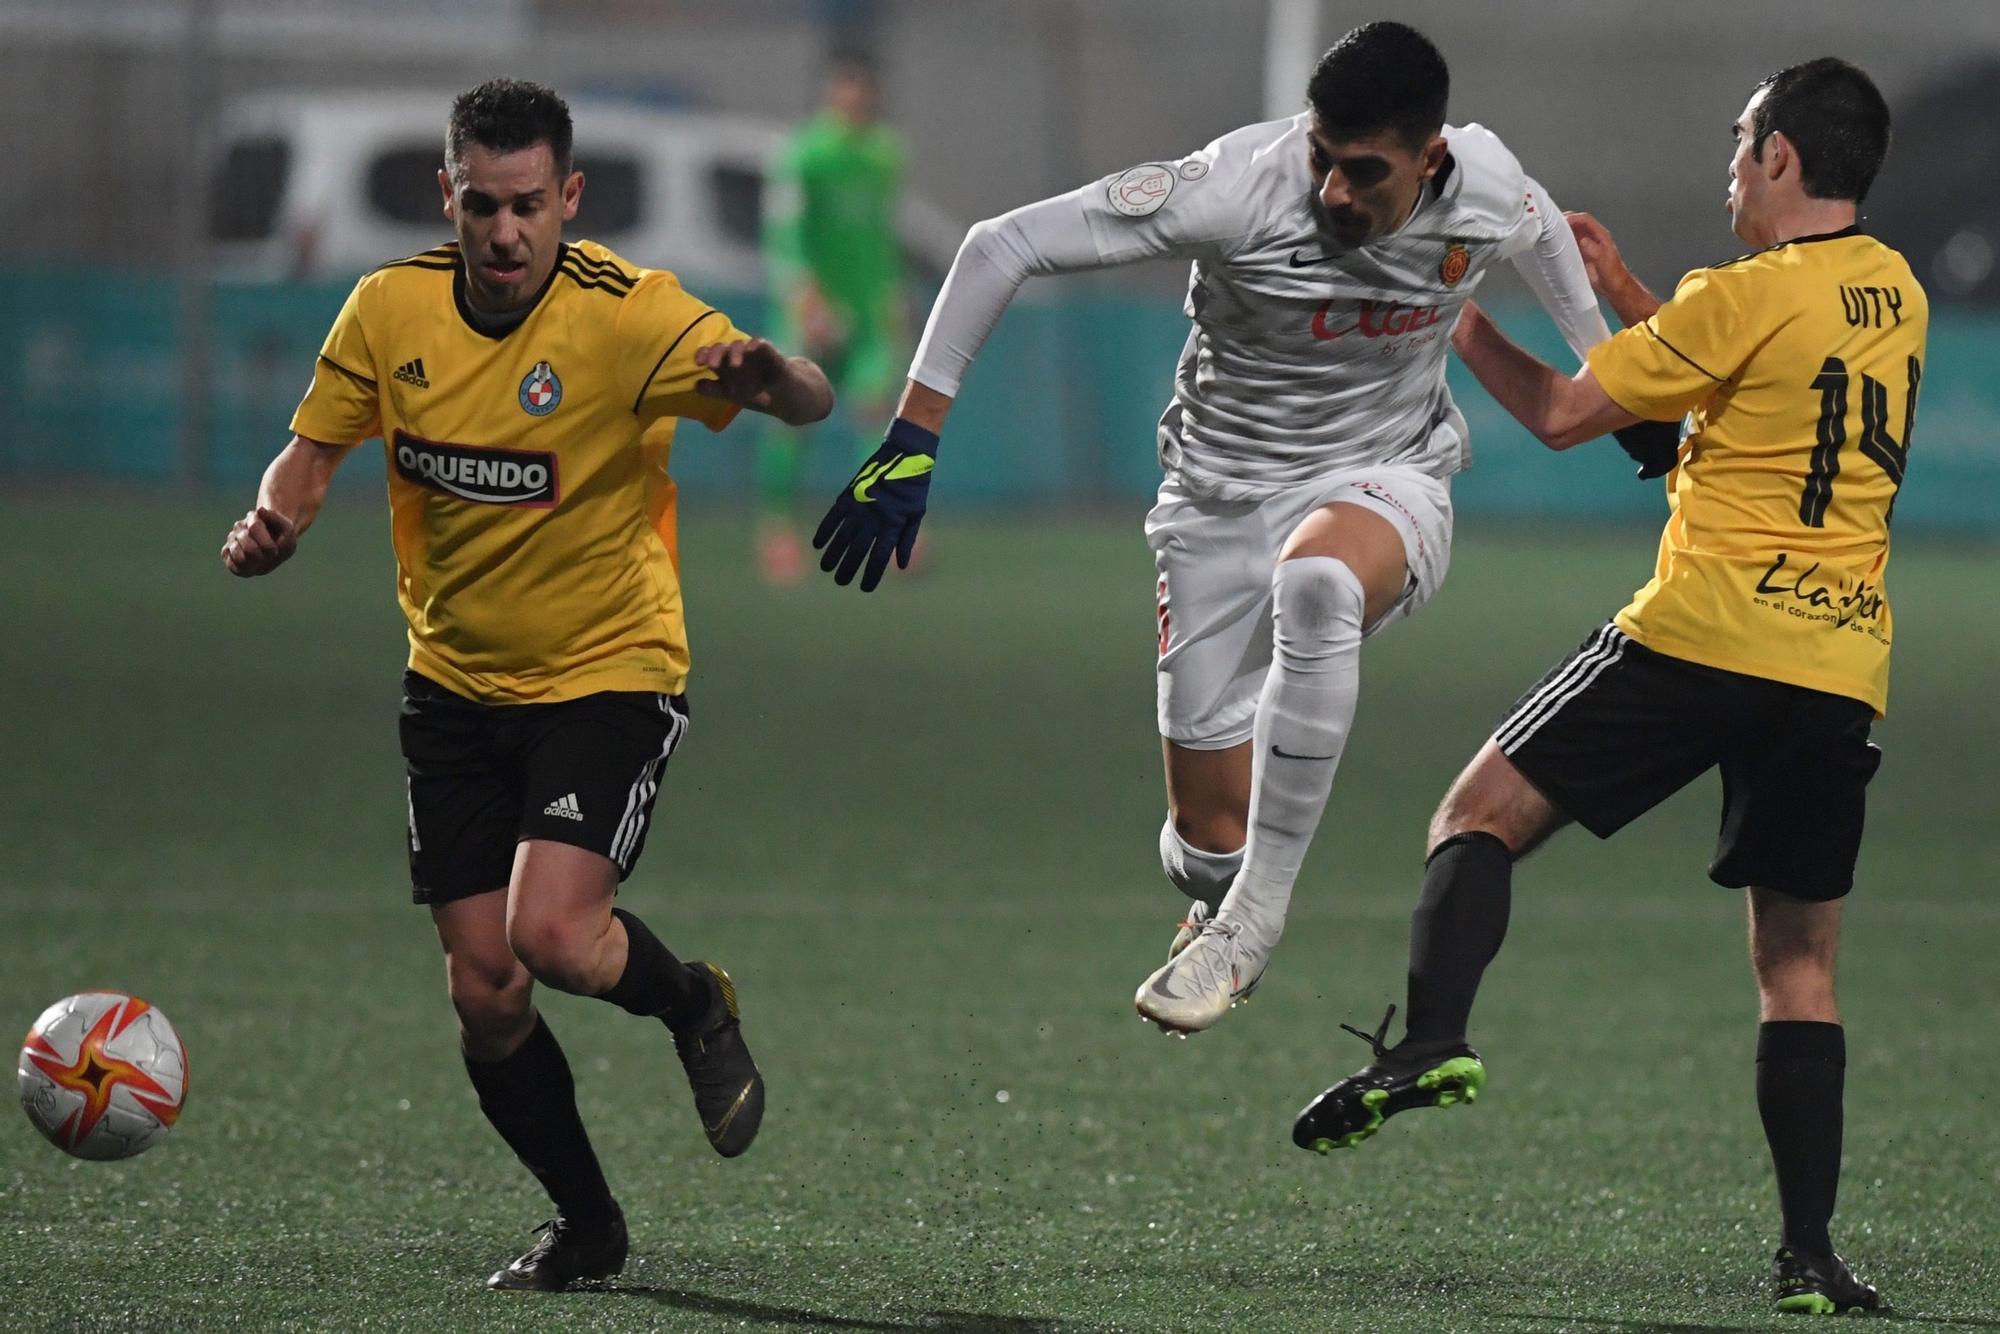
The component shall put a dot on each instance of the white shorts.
(1215, 560)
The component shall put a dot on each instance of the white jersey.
(1306, 358)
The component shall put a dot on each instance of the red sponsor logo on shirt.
(1376, 319)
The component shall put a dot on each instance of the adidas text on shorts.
(483, 777)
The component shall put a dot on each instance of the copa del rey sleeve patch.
(1142, 190)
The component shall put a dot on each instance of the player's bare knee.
(1795, 977)
(1492, 797)
(489, 1013)
(1792, 957)
(483, 977)
(1459, 814)
(1797, 989)
(1792, 966)
(557, 952)
(493, 999)
(487, 968)
(1792, 935)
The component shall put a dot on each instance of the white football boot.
(1199, 984)
(1199, 911)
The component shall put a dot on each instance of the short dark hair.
(507, 115)
(1835, 118)
(1381, 76)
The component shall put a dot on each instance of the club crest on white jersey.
(1308, 357)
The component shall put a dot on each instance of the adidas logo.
(566, 807)
(412, 372)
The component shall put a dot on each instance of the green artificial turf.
(919, 829)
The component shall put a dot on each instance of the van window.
(403, 184)
(611, 195)
(736, 196)
(248, 186)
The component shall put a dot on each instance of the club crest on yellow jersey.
(541, 391)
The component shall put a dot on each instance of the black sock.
(654, 982)
(1457, 929)
(1801, 1068)
(531, 1100)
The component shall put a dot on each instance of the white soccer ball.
(103, 1075)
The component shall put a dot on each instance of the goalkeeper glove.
(1654, 446)
(877, 513)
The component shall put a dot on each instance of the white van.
(328, 186)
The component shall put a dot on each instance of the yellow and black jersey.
(532, 512)
(1799, 367)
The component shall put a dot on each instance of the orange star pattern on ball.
(95, 1073)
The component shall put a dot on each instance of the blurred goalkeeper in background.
(836, 282)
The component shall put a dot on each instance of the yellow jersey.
(532, 513)
(1798, 367)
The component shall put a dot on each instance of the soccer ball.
(103, 1075)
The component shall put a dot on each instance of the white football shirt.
(1305, 358)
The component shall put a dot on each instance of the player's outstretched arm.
(288, 500)
(1560, 411)
(878, 511)
(1161, 212)
(1609, 277)
(754, 374)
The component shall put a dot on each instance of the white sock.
(1303, 718)
(1202, 876)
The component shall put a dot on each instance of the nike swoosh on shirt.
(1298, 263)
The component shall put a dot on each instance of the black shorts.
(483, 777)
(1617, 728)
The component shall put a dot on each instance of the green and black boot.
(1820, 1285)
(1395, 1081)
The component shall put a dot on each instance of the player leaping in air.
(1308, 448)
